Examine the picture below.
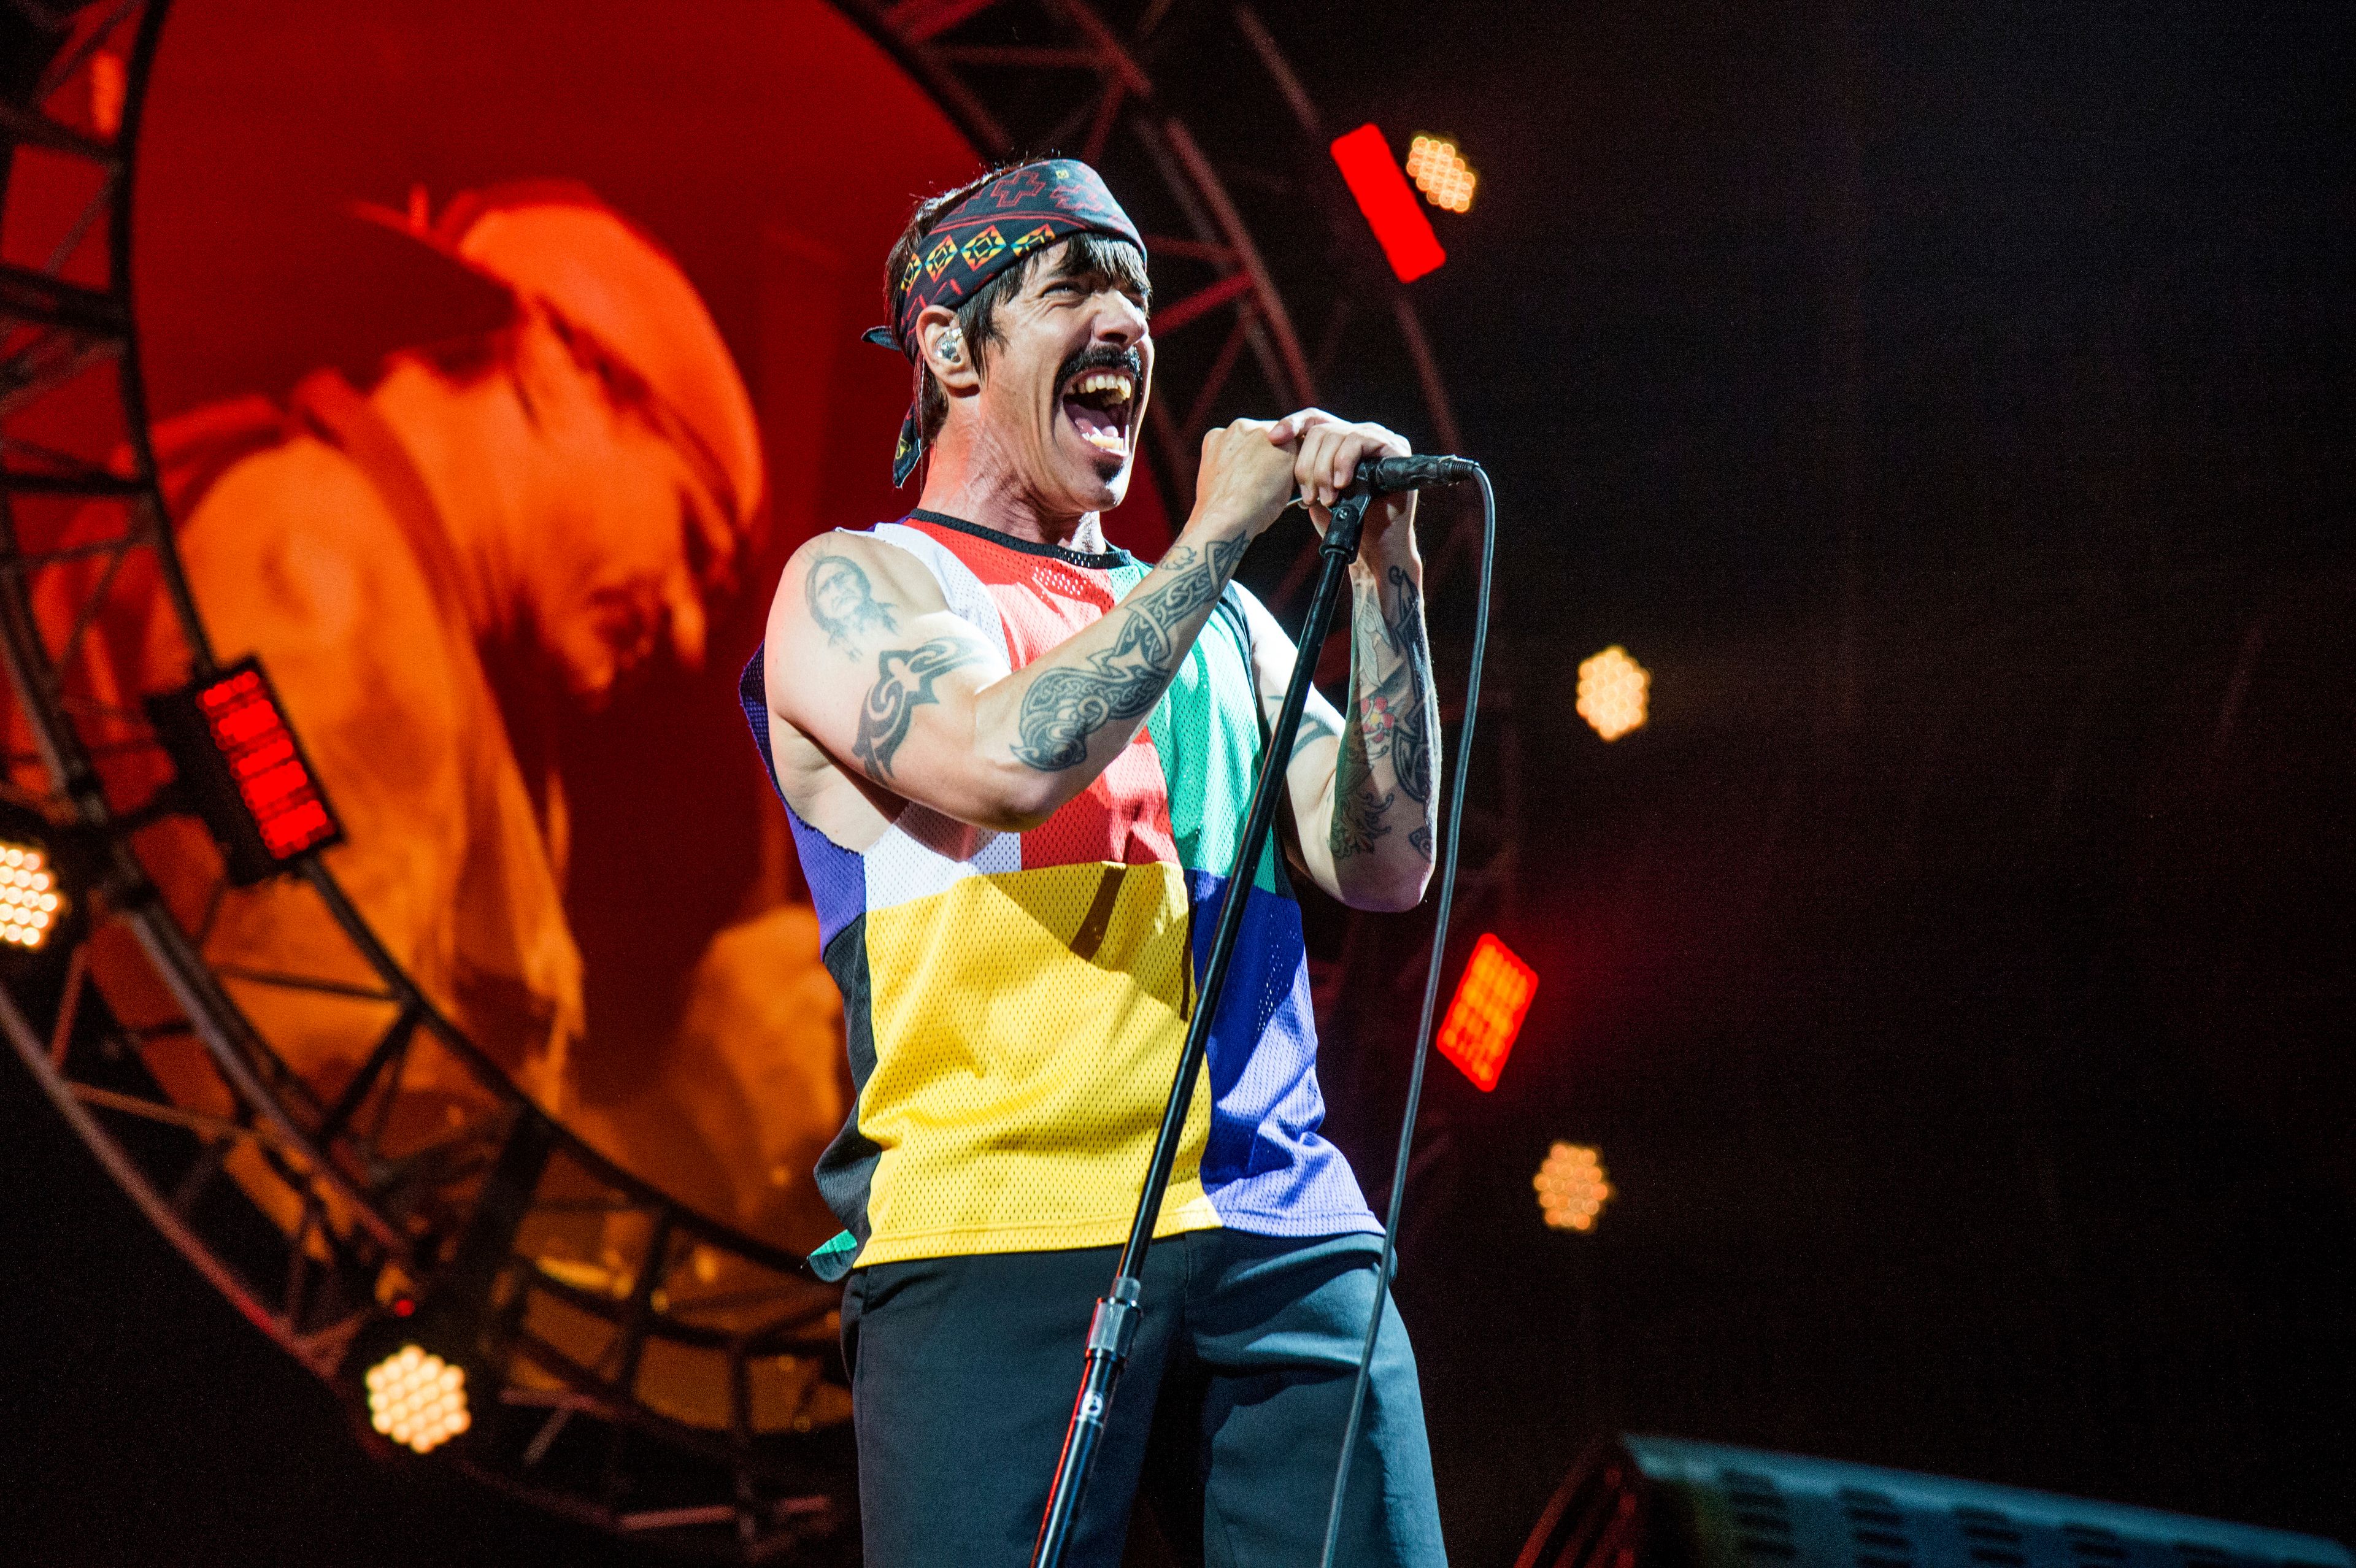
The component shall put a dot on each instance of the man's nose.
(684, 618)
(1120, 321)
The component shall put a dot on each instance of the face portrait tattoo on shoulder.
(843, 603)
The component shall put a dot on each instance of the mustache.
(1102, 357)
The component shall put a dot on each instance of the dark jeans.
(1229, 1415)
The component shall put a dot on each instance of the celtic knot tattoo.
(1063, 709)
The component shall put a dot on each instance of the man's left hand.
(1326, 465)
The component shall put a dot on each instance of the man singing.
(1016, 760)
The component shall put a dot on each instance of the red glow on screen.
(271, 780)
(1491, 1000)
(1388, 201)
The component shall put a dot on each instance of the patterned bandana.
(1014, 213)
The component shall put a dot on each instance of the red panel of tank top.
(1124, 814)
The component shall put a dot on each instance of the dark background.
(1952, 411)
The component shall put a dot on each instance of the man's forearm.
(1068, 713)
(1385, 804)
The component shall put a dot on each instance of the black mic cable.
(1384, 476)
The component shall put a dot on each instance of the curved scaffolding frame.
(582, 1409)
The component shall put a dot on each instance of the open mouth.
(626, 627)
(1100, 403)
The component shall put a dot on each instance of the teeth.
(1108, 440)
(1105, 381)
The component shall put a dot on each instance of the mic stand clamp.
(1114, 1326)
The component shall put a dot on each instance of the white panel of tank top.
(967, 597)
(923, 853)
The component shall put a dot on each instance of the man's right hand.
(1245, 479)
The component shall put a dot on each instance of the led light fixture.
(1382, 193)
(31, 902)
(417, 1399)
(1614, 692)
(1571, 1187)
(1491, 1000)
(1440, 172)
(244, 772)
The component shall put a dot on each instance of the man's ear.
(948, 355)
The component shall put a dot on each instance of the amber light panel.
(1491, 1000)
(417, 1399)
(1440, 171)
(1572, 1188)
(1614, 692)
(30, 903)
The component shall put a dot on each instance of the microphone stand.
(1114, 1326)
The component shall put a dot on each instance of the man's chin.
(1107, 493)
(592, 689)
(1097, 483)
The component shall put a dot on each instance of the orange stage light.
(417, 1399)
(30, 903)
(1491, 1000)
(1440, 172)
(1571, 1187)
(1614, 692)
(1373, 178)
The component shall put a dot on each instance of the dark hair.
(977, 317)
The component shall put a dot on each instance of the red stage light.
(251, 736)
(1388, 202)
(1491, 1000)
(246, 773)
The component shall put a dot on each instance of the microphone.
(1388, 476)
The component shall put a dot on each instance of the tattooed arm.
(1362, 782)
(1385, 808)
(868, 664)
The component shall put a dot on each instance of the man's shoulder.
(301, 526)
(856, 573)
(300, 494)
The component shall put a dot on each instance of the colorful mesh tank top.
(1014, 1003)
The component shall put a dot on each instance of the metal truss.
(637, 1364)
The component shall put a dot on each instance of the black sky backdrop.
(1952, 408)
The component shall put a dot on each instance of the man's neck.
(962, 483)
(457, 436)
